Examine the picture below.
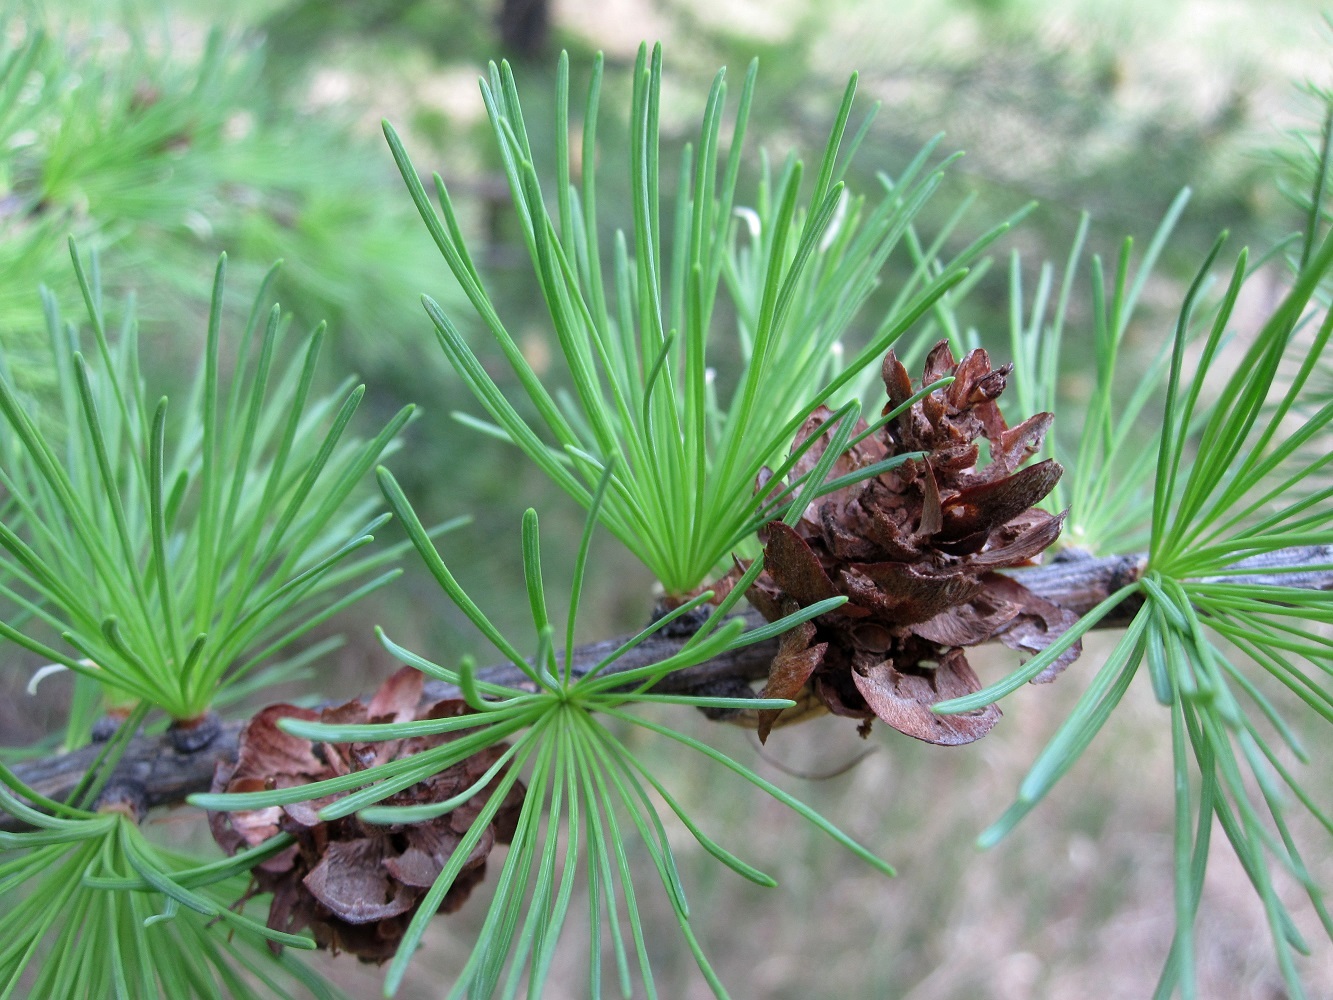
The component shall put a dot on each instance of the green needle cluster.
(93, 909)
(1224, 651)
(587, 796)
(1107, 488)
(635, 325)
(176, 559)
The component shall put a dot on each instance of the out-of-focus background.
(164, 133)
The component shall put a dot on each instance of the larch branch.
(167, 774)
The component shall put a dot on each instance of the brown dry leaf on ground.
(354, 884)
(915, 551)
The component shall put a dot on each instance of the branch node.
(188, 736)
(124, 795)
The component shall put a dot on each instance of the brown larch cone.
(356, 885)
(915, 551)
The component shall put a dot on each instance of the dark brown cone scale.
(354, 884)
(915, 550)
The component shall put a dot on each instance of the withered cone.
(354, 884)
(915, 551)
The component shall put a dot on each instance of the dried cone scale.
(915, 550)
(356, 885)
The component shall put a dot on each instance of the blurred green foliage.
(162, 143)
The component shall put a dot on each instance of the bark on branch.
(167, 774)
